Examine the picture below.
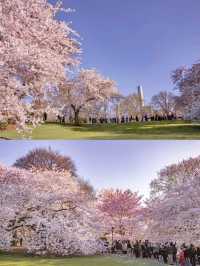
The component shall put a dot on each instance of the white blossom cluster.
(47, 212)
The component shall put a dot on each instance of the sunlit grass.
(19, 260)
(147, 130)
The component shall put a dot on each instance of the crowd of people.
(167, 253)
(129, 119)
(115, 120)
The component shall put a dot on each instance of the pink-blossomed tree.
(36, 50)
(120, 211)
(47, 213)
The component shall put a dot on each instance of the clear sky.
(106, 164)
(137, 41)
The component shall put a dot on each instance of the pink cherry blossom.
(35, 50)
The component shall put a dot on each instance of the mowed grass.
(19, 260)
(145, 130)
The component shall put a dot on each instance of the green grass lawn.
(147, 130)
(19, 260)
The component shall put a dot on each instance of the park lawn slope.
(19, 260)
(147, 130)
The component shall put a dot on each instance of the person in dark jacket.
(192, 255)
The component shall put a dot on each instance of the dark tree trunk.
(76, 115)
(76, 118)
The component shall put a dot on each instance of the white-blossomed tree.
(36, 51)
(84, 91)
(47, 213)
(173, 211)
(46, 208)
(187, 82)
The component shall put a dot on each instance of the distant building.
(141, 95)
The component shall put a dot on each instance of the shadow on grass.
(28, 260)
(20, 257)
(17, 260)
(136, 130)
(148, 128)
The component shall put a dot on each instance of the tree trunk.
(76, 117)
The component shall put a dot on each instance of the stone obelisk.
(141, 96)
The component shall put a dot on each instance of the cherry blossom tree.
(47, 213)
(97, 109)
(173, 209)
(46, 159)
(187, 82)
(36, 50)
(82, 91)
(41, 159)
(120, 210)
(174, 174)
(86, 188)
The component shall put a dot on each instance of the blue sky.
(137, 41)
(117, 164)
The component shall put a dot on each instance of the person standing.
(192, 255)
(198, 255)
(170, 252)
(174, 253)
(182, 257)
(124, 247)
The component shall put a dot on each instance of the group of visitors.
(167, 253)
(129, 119)
(115, 120)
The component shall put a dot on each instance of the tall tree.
(35, 50)
(41, 159)
(131, 106)
(174, 212)
(47, 211)
(164, 102)
(46, 159)
(82, 91)
(120, 210)
(187, 82)
(174, 174)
